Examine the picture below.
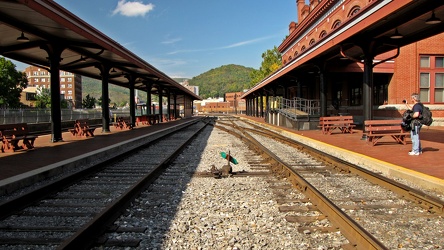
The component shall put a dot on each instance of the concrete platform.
(388, 157)
(24, 167)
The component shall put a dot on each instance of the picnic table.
(343, 123)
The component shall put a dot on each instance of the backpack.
(426, 116)
(407, 120)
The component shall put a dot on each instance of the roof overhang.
(86, 50)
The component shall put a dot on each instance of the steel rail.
(86, 236)
(422, 199)
(358, 236)
(8, 207)
(87, 233)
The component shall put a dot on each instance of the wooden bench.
(150, 119)
(343, 123)
(123, 123)
(376, 129)
(82, 128)
(153, 119)
(12, 134)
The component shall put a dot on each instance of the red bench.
(12, 134)
(82, 128)
(343, 123)
(123, 123)
(376, 129)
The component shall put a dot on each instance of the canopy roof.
(86, 48)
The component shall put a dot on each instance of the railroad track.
(71, 212)
(353, 200)
(180, 209)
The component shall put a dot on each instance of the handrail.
(296, 106)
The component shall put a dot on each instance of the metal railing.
(10, 116)
(296, 106)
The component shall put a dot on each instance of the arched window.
(303, 48)
(312, 41)
(336, 24)
(323, 33)
(295, 54)
(354, 10)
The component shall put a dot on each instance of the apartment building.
(70, 85)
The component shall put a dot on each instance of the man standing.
(416, 125)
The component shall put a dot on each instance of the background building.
(70, 85)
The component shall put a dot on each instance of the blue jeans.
(416, 143)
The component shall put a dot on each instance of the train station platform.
(386, 157)
(24, 167)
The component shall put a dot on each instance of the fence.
(9, 116)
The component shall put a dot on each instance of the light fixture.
(22, 38)
(433, 19)
(397, 35)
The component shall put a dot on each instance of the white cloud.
(172, 40)
(132, 8)
(245, 42)
(234, 45)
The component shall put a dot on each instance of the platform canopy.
(27, 26)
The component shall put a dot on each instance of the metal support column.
(104, 72)
(54, 54)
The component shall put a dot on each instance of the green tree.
(99, 101)
(12, 82)
(43, 98)
(271, 62)
(89, 102)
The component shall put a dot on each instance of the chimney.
(300, 6)
(292, 27)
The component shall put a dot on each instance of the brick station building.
(417, 67)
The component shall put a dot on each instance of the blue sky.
(187, 38)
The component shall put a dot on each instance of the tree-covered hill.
(213, 83)
(227, 78)
(93, 88)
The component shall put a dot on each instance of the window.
(354, 10)
(62, 86)
(69, 79)
(431, 79)
(312, 41)
(70, 86)
(30, 96)
(439, 87)
(336, 24)
(424, 62)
